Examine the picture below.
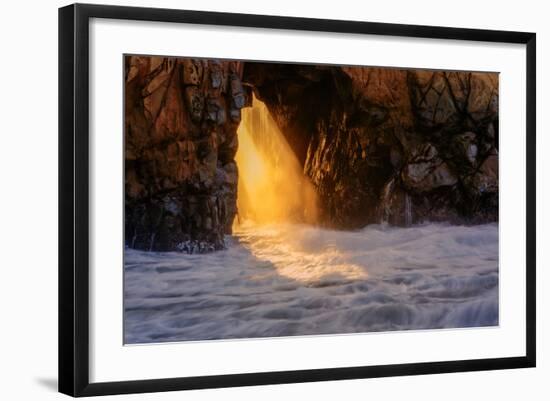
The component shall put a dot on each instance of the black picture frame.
(74, 198)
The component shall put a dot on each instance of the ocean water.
(289, 279)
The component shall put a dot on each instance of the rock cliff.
(181, 117)
(378, 144)
(389, 144)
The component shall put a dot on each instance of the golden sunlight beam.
(272, 186)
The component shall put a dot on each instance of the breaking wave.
(289, 279)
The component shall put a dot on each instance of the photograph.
(272, 199)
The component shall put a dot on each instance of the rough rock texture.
(389, 144)
(379, 144)
(181, 117)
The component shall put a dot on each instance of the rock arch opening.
(346, 147)
(272, 186)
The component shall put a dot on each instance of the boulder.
(425, 170)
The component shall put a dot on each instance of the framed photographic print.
(249, 199)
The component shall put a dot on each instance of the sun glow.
(272, 186)
(274, 195)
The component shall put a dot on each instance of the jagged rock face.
(389, 144)
(181, 117)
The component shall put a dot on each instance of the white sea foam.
(283, 280)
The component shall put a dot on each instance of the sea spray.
(294, 279)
